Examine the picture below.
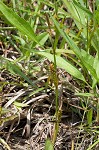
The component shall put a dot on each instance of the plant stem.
(57, 114)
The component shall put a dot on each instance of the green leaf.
(94, 82)
(48, 145)
(64, 64)
(17, 104)
(84, 94)
(94, 144)
(75, 48)
(42, 38)
(88, 57)
(96, 66)
(89, 116)
(14, 69)
(21, 40)
(85, 10)
(88, 62)
(77, 14)
(18, 22)
(90, 69)
(71, 43)
(96, 15)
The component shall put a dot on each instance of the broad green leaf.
(18, 22)
(64, 65)
(49, 145)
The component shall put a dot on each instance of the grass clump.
(40, 39)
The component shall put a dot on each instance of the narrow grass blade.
(84, 94)
(14, 69)
(85, 10)
(91, 147)
(20, 105)
(18, 22)
(90, 69)
(71, 43)
(42, 38)
(64, 65)
(76, 50)
(96, 66)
